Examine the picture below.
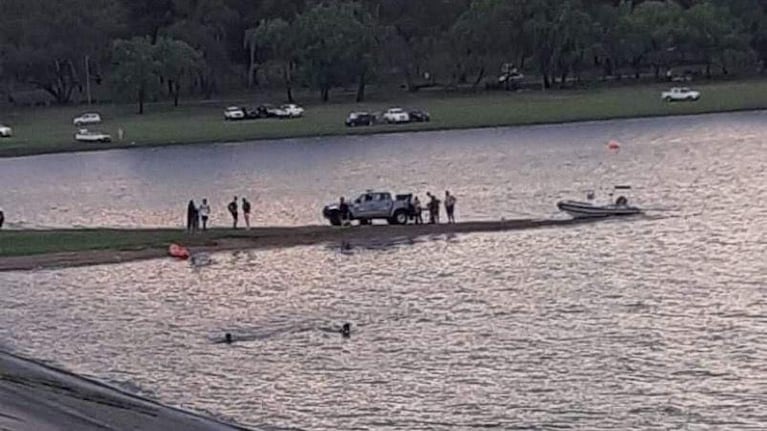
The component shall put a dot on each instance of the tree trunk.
(176, 91)
(141, 100)
(325, 94)
(252, 68)
(480, 75)
(288, 81)
(708, 70)
(361, 88)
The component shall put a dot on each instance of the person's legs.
(246, 216)
(204, 222)
(234, 221)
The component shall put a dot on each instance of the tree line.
(146, 48)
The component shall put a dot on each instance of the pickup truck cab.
(371, 206)
(680, 94)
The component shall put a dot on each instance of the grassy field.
(45, 130)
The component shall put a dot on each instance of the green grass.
(44, 130)
(32, 242)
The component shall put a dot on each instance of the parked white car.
(234, 113)
(5, 131)
(85, 135)
(87, 118)
(292, 110)
(396, 115)
(677, 94)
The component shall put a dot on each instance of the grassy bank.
(44, 130)
(32, 242)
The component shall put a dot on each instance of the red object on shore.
(178, 251)
(613, 145)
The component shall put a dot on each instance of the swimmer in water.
(346, 330)
(228, 338)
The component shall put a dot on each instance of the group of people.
(433, 206)
(197, 217)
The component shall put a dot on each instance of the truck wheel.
(400, 217)
(335, 218)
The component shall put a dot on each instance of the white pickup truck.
(679, 94)
(372, 205)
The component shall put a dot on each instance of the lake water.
(649, 323)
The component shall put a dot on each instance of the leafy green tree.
(176, 61)
(714, 35)
(48, 46)
(333, 43)
(490, 31)
(136, 69)
(271, 42)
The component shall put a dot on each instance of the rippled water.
(509, 172)
(650, 323)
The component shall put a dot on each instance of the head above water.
(346, 329)
(228, 338)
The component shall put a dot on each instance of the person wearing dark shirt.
(2, 218)
(191, 216)
(343, 208)
(232, 207)
(246, 212)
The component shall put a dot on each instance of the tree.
(176, 60)
(333, 41)
(47, 46)
(490, 30)
(714, 35)
(136, 69)
(270, 41)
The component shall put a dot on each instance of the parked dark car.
(360, 119)
(419, 116)
(265, 111)
(254, 113)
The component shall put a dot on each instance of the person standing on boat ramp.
(450, 207)
(417, 210)
(204, 213)
(232, 207)
(191, 217)
(246, 213)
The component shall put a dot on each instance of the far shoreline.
(201, 125)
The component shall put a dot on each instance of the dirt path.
(274, 237)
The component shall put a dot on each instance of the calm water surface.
(644, 324)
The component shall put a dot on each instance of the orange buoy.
(178, 251)
(613, 145)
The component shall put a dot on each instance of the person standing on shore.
(2, 218)
(246, 213)
(450, 207)
(204, 213)
(191, 217)
(433, 208)
(417, 210)
(232, 207)
(343, 209)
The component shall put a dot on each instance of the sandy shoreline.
(266, 238)
(36, 397)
